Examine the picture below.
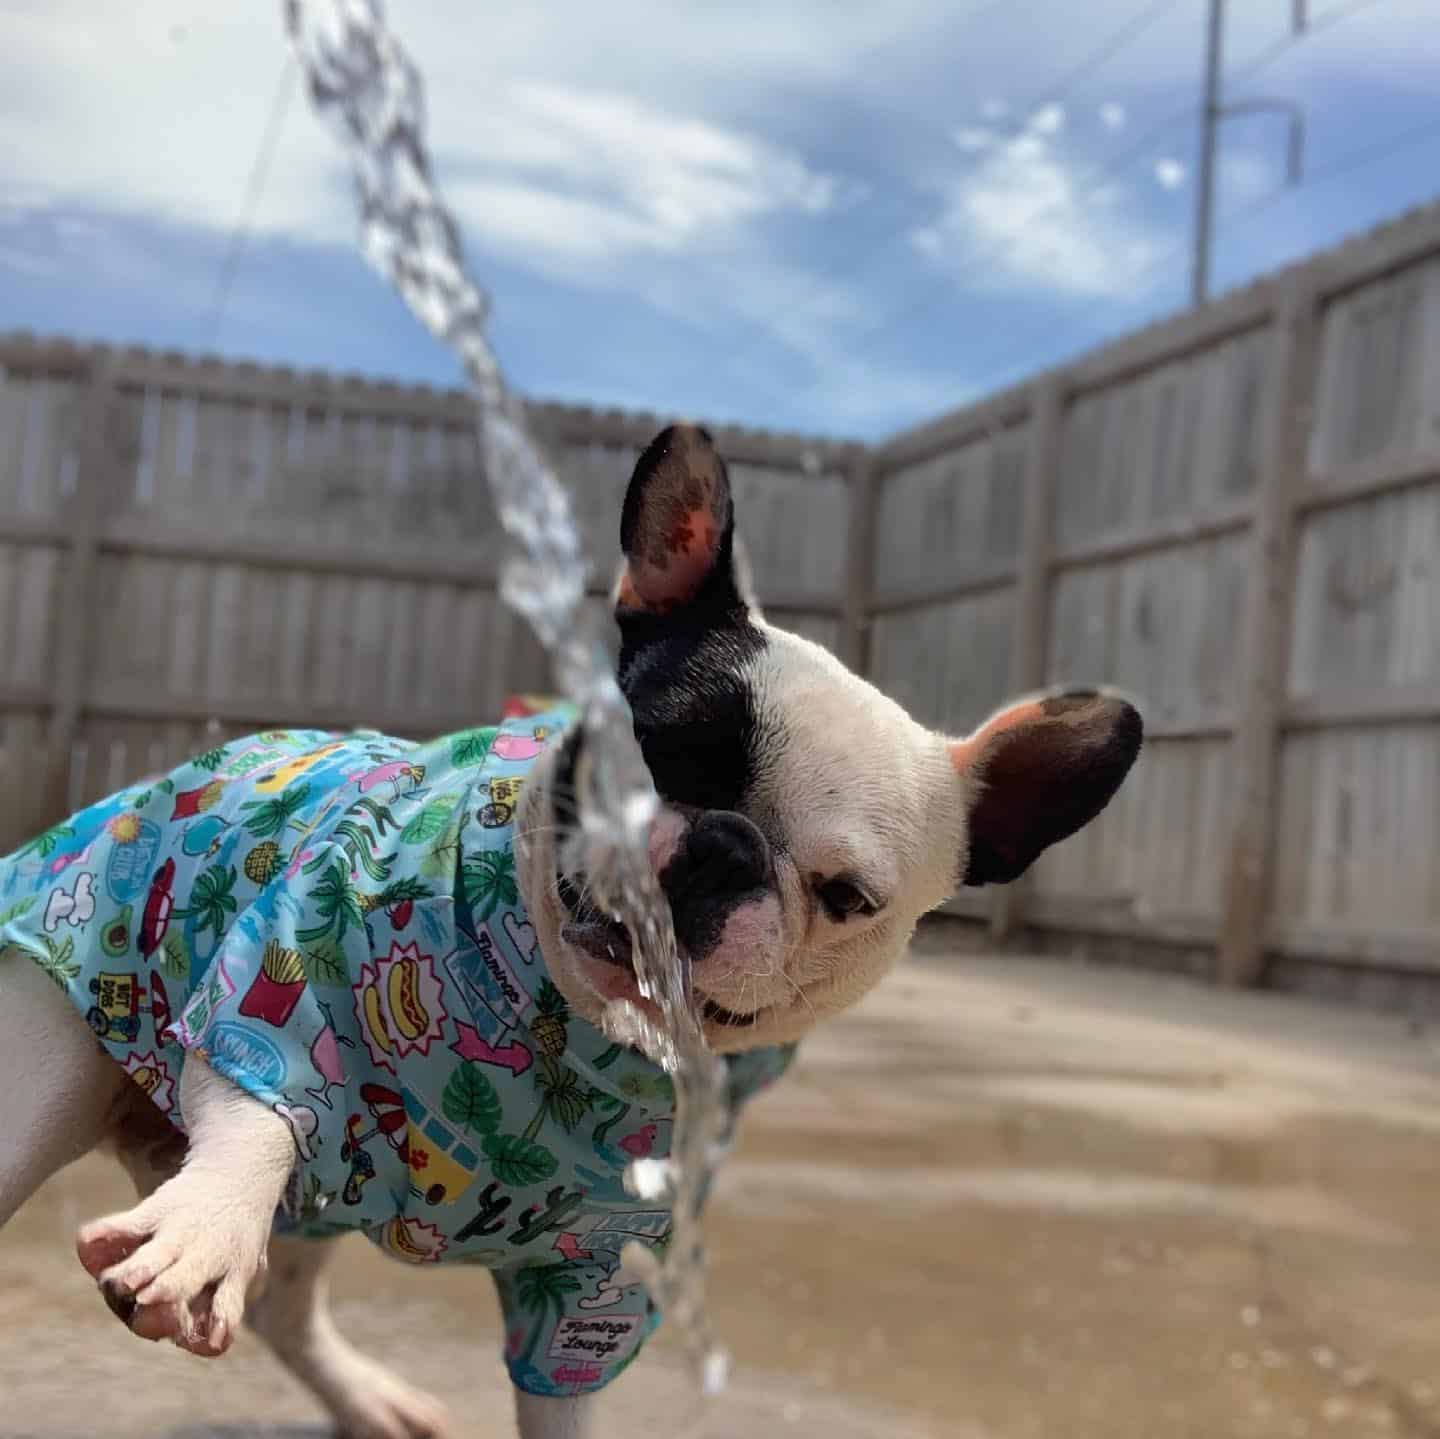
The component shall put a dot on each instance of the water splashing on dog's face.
(362, 83)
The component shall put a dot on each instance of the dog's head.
(808, 822)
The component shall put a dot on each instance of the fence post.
(1261, 676)
(75, 623)
(863, 487)
(1032, 588)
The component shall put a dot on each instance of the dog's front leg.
(177, 1266)
(543, 1418)
(291, 1314)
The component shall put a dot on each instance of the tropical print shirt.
(333, 921)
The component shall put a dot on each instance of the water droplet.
(649, 1178)
(716, 1372)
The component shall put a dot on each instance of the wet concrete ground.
(1003, 1199)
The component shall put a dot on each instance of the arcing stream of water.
(364, 85)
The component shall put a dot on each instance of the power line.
(254, 189)
(1315, 25)
(856, 260)
(1126, 35)
(1342, 165)
(1120, 162)
(1096, 178)
(1246, 213)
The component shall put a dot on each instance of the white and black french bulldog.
(807, 824)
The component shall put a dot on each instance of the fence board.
(1266, 626)
(1379, 386)
(1359, 830)
(31, 581)
(951, 516)
(39, 441)
(29, 774)
(1152, 855)
(1171, 446)
(948, 664)
(1161, 627)
(1368, 596)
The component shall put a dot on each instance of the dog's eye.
(842, 899)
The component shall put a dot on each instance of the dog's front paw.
(178, 1266)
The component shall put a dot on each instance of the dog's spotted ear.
(1038, 771)
(677, 529)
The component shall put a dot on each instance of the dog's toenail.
(122, 1305)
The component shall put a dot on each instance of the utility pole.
(1212, 113)
(1205, 175)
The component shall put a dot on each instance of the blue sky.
(818, 215)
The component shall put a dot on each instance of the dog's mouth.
(596, 935)
(589, 930)
(608, 941)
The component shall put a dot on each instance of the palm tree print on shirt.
(563, 1097)
(270, 818)
(489, 881)
(336, 903)
(212, 899)
(541, 1291)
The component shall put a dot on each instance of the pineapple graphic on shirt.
(548, 1027)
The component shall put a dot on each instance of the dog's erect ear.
(1041, 769)
(677, 529)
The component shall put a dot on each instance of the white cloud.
(835, 384)
(994, 109)
(598, 177)
(572, 170)
(1048, 120)
(1112, 115)
(1022, 220)
(972, 138)
(1170, 173)
(554, 230)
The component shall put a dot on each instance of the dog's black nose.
(724, 860)
(727, 853)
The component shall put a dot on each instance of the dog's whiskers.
(801, 995)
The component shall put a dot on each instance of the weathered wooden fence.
(192, 549)
(1234, 516)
